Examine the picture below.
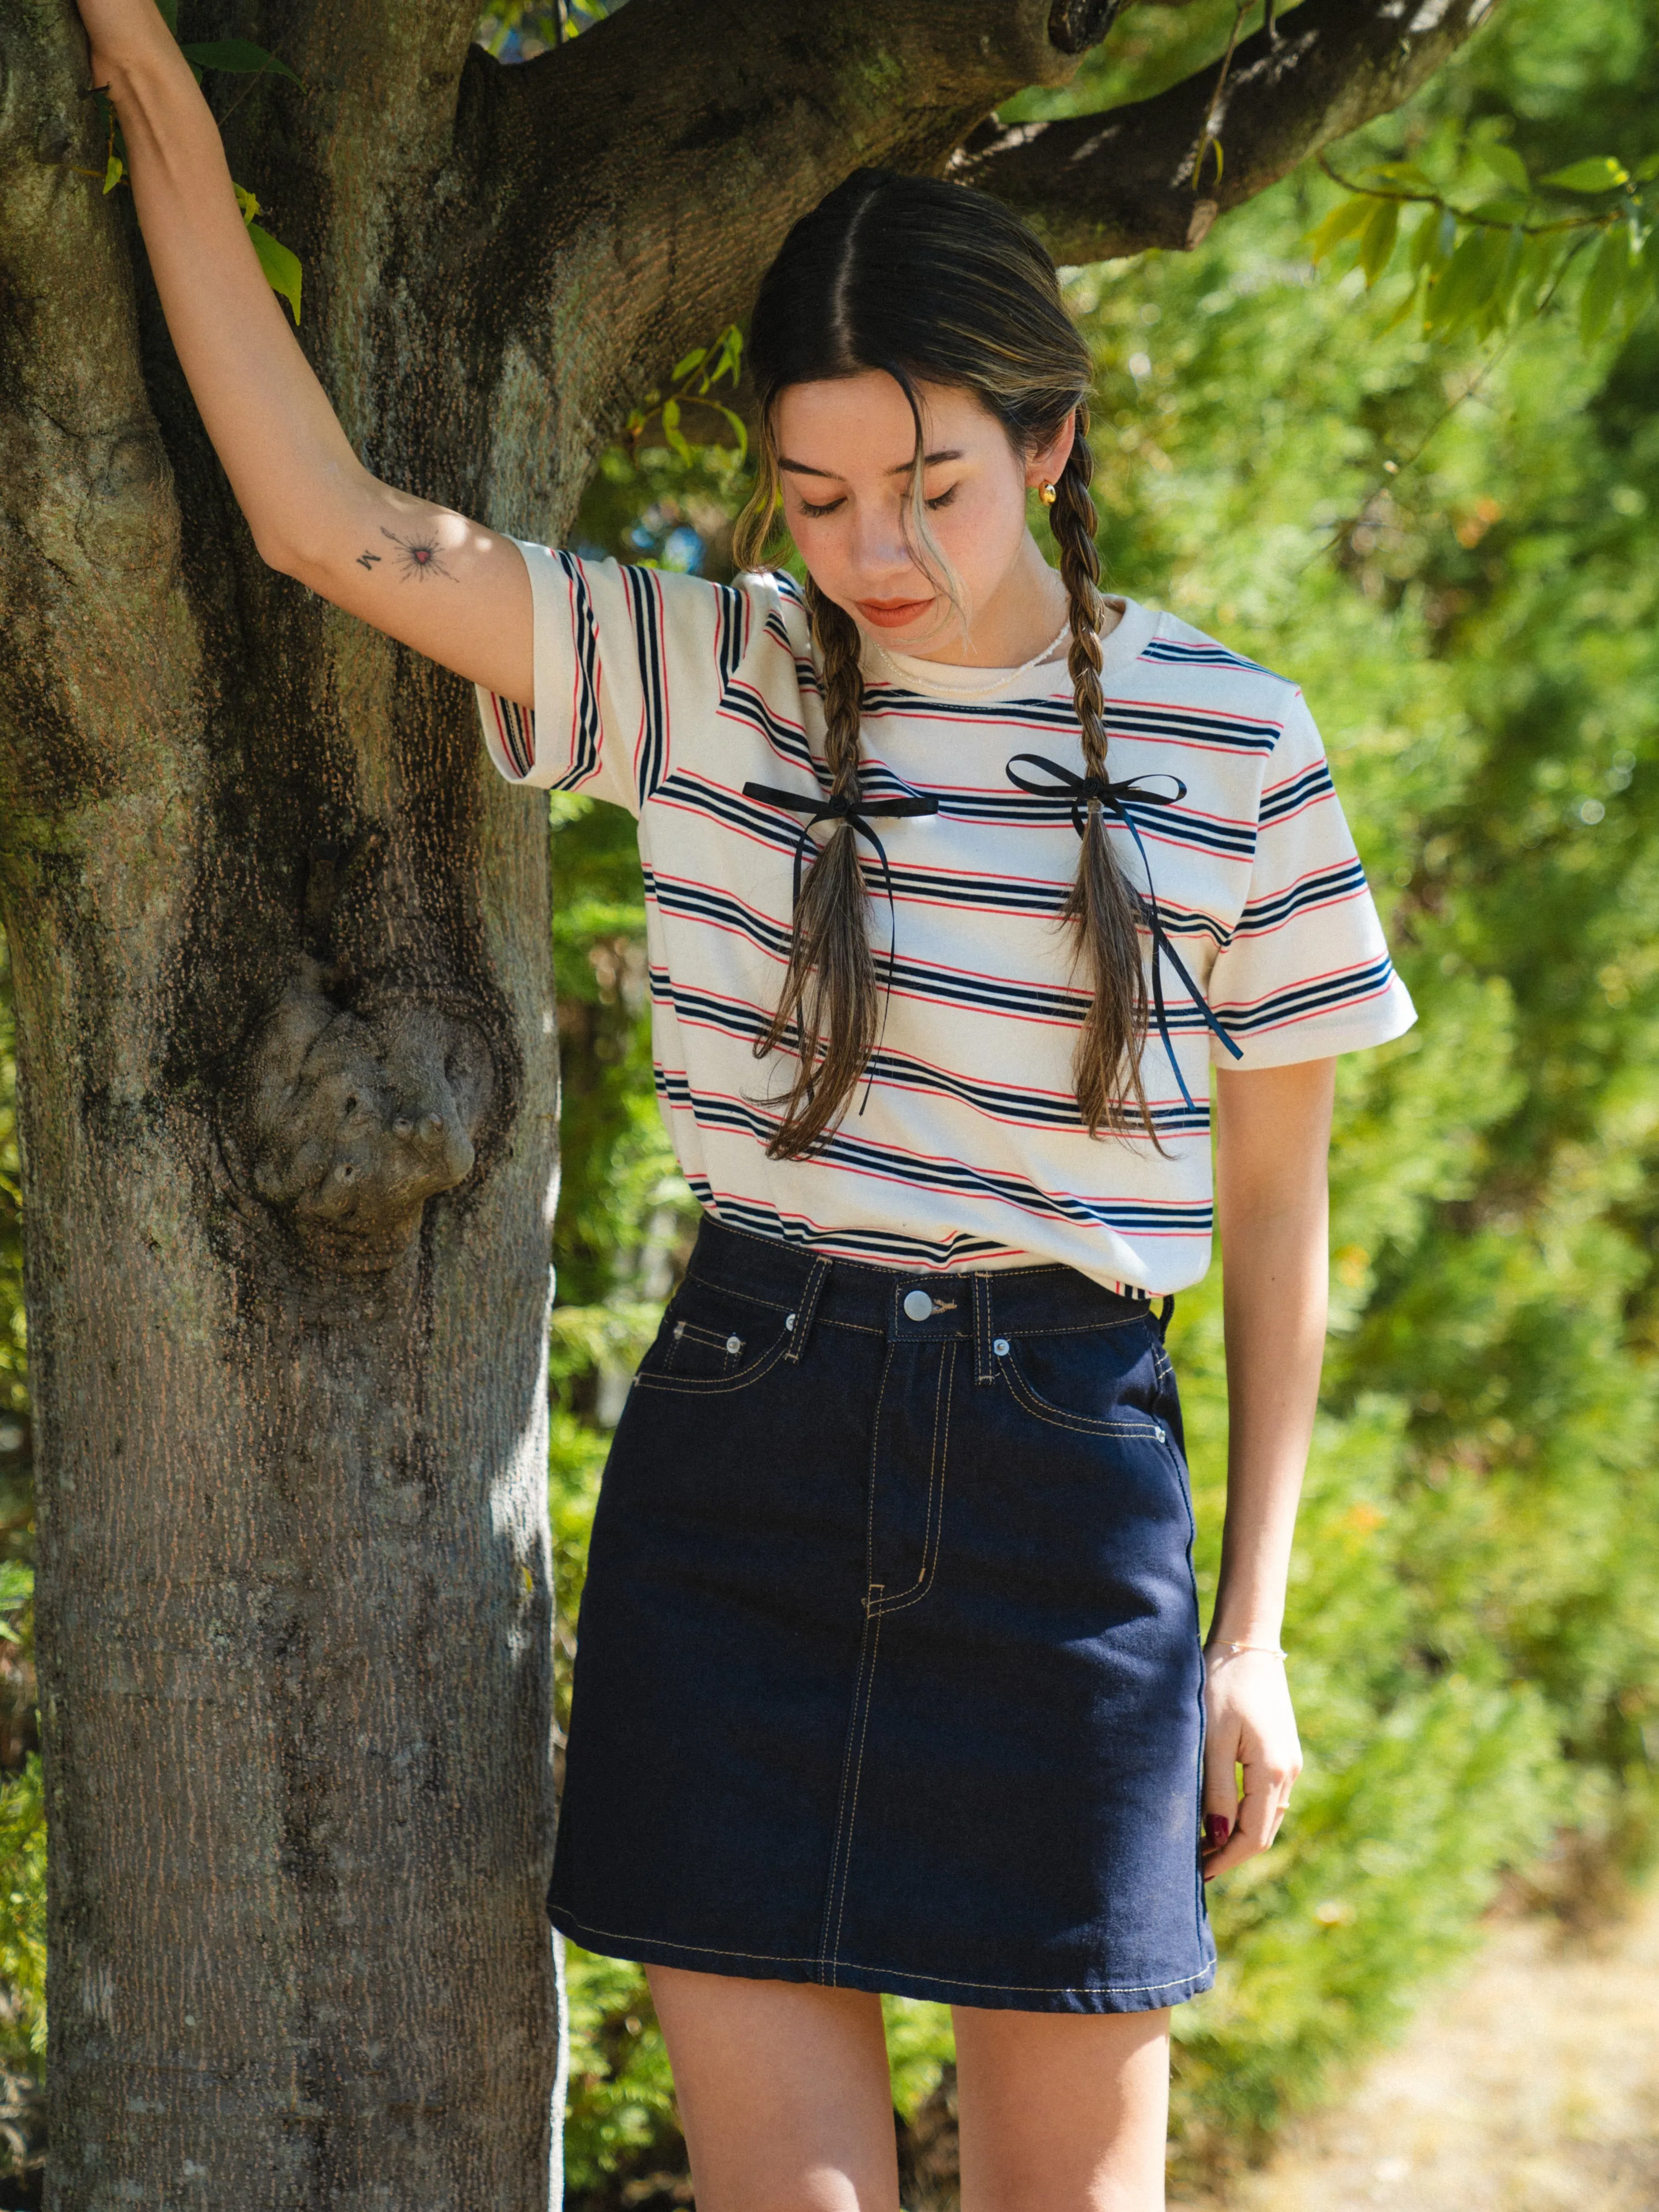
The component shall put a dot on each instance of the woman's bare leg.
(1062, 2112)
(783, 2092)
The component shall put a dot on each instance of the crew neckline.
(943, 679)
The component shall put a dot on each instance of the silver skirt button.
(917, 1306)
(1000, 1348)
(734, 1346)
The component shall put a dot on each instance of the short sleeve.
(623, 657)
(1306, 972)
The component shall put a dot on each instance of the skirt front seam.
(842, 1859)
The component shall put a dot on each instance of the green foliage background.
(1452, 541)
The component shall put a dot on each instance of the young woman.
(961, 880)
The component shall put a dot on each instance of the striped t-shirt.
(664, 694)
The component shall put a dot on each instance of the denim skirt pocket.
(1105, 1380)
(713, 1339)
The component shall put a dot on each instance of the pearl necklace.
(1000, 680)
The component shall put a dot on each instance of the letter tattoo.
(367, 560)
(420, 557)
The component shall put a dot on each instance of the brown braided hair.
(933, 282)
(827, 1008)
(1102, 910)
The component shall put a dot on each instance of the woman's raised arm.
(422, 574)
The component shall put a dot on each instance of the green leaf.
(1411, 301)
(168, 11)
(672, 431)
(115, 169)
(1648, 170)
(1601, 174)
(1405, 173)
(1377, 239)
(739, 425)
(1504, 163)
(1541, 266)
(1604, 283)
(1502, 207)
(693, 359)
(1641, 276)
(239, 56)
(1495, 311)
(281, 268)
(1345, 218)
(1468, 281)
(1433, 245)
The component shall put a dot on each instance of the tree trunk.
(289, 1113)
(287, 1047)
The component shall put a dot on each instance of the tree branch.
(616, 200)
(613, 204)
(1094, 187)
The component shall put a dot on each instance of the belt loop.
(816, 1276)
(1165, 1310)
(984, 1366)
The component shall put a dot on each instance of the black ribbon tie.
(1085, 791)
(814, 807)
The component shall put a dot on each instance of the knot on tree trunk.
(351, 1118)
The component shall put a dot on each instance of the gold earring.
(1047, 494)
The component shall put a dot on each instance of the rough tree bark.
(289, 1084)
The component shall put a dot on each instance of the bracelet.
(1272, 1650)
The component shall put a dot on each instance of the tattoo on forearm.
(367, 560)
(418, 556)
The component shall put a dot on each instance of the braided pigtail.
(1101, 908)
(827, 1008)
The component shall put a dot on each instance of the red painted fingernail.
(1217, 1828)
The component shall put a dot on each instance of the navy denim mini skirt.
(888, 1673)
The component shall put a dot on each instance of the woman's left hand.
(1249, 1723)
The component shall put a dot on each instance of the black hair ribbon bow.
(857, 812)
(1082, 791)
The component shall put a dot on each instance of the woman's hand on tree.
(1249, 1723)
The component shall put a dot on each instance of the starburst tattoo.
(418, 556)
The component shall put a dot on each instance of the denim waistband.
(977, 1303)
